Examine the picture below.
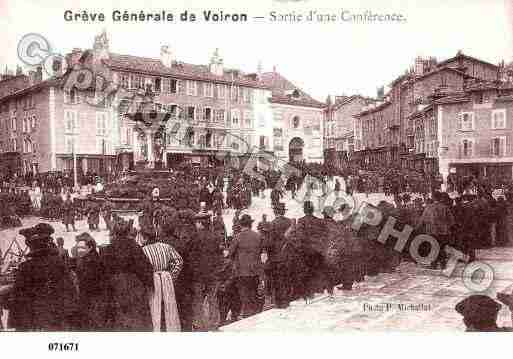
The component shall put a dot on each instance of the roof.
(13, 84)
(282, 88)
(455, 97)
(461, 55)
(348, 99)
(151, 66)
(420, 112)
(373, 109)
(442, 66)
(54, 81)
(488, 85)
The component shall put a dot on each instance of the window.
(247, 95)
(241, 94)
(101, 124)
(234, 93)
(466, 122)
(192, 89)
(295, 122)
(209, 90)
(466, 148)
(173, 85)
(70, 121)
(207, 114)
(71, 96)
(219, 116)
(190, 112)
(208, 139)
(221, 89)
(479, 98)
(134, 81)
(261, 120)
(181, 86)
(157, 84)
(101, 145)
(498, 146)
(235, 117)
(69, 144)
(126, 135)
(248, 119)
(124, 81)
(498, 119)
(263, 142)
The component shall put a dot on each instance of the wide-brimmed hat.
(40, 233)
(245, 220)
(478, 308)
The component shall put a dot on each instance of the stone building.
(391, 132)
(475, 131)
(297, 122)
(339, 128)
(110, 111)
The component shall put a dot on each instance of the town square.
(149, 191)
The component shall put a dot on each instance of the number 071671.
(63, 347)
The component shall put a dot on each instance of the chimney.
(380, 93)
(100, 48)
(216, 64)
(419, 66)
(39, 74)
(166, 56)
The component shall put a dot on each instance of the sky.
(321, 58)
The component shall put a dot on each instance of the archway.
(296, 146)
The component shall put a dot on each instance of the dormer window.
(296, 94)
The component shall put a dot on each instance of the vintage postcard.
(275, 166)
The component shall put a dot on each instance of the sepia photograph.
(306, 166)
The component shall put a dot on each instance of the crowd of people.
(182, 270)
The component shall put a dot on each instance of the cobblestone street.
(410, 284)
(435, 293)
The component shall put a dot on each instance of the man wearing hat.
(480, 312)
(279, 225)
(248, 254)
(43, 290)
(205, 262)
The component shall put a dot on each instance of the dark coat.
(205, 257)
(129, 280)
(68, 210)
(245, 250)
(91, 283)
(312, 234)
(44, 296)
(276, 238)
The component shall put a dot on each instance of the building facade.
(111, 111)
(475, 131)
(340, 130)
(297, 121)
(397, 131)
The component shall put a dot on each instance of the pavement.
(418, 299)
